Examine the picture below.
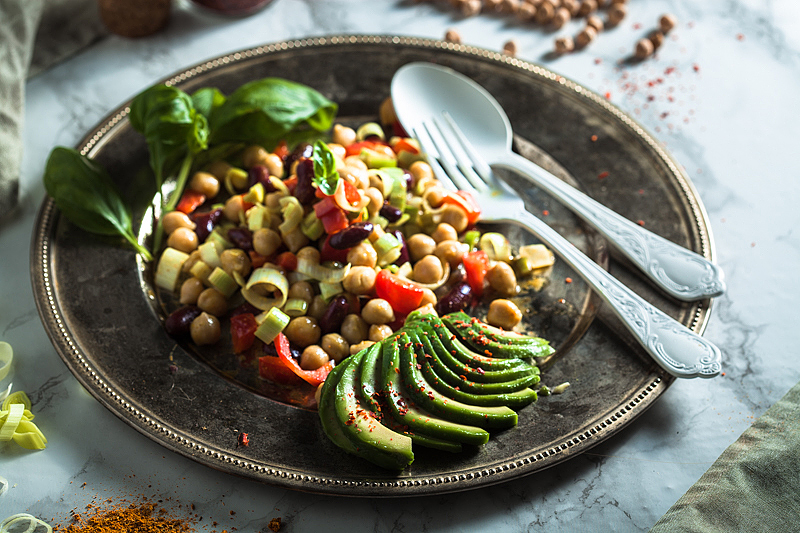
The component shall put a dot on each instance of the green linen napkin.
(753, 486)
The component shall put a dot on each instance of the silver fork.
(677, 349)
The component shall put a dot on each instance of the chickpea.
(420, 170)
(565, 44)
(343, 135)
(378, 332)
(501, 278)
(386, 111)
(595, 22)
(302, 290)
(183, 239)
(313, 357)
(586, 36)
(266, 241)
(420, 245)
(545, 13)
(205, 329)
(190, 290)
(205, 183)
(587, 7)
(428, 270)
(375, 200)
(355, 175)
(339, 152)
(219, 169)
(363, 345)
(234, 208)
(455, 216)
(444, 232)
(450, 251)
(317, 307)
(561, 17)
(510, 47)
(435, 195)
(303, 331)
(504, 314)
(273, 200)
(336, 346)
(377, 311)
(644, 48)
(667, 22)
(616, 13)
(355, 161)
(194, 257)
(254, 155)
(428, 297)
(363, 254)
(310, 254)
(235, 260)
(360, 280)
(354, 329)
(213, 302)
(176, 219)
(274, 165)
(452, 36)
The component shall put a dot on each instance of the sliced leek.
(6, 357)
(201, 271)
(169, 268)
(496, 246)
(255, 195)
(295, 307)
(223, 282)
(273, 323)
(210, 254)
(263, 285)
(17, 524)
(321, 273)
(258, 217)
(292, 212)
(388, 248)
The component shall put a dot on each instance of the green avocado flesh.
(427, 384)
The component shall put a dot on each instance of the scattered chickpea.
(363, 254)
(355, 162)
(510, 48)
(587, 7)
(510, 6)
(377, 311)
(469, 8)
(644, 48)
(450, 251)
(616, 13)
(317, 307)
(194, 257)
(428, 270)
(561, 17)
(595, 22)
(354, 329)
(318, 392)
(219, 169)
(205, 329)
(455, 216)
(545, 12)
(667, 22)
(343, 135)
(190, 290)
(526, 12)
(266, 241)
(572, 6)
(176, 219)
(310, 254)
(585, 37)
(375, 200)
(183, 239)
(386, 111)
(313, 357)
(233, 208)
(501, 278)
(274, 165)
(435, 194)
(504, 314)
(419, 170)
(420, 245)
(378, 332)
(336, 346)
(657, 38)
(444, 232)
(565, 45)
(303, 331)
(359, 280)
(213, 302)
(235, 260)
(254, 155)
(301, 290)
(363, 345)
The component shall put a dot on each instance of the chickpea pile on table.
(330, 300)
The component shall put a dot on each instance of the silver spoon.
(422, 90)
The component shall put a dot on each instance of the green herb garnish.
(326, 178)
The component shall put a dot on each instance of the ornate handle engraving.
(681, 273)
(677, 349)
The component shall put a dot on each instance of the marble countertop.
(725, 107)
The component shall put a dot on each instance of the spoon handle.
(681, 273)
(676, 348)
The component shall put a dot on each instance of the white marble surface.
(731, 122)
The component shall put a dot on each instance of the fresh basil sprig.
(85, 194)
(326, 178)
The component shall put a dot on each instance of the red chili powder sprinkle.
(602, 175)
(545, 212)
(640, 222)
(594, 138)
(568, 280)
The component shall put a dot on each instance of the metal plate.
(98, 305)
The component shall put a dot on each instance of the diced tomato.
(287, 261)
(282, 150)
(334, 221)
(313, 377)
(290, 183)
(398, 130)
(329, 253)
(274, 369)
(243, 331)
(476, 265)
(256, 259)
(404, 146)
(190, 200)
(351, 193)
(467, 202)
(404, 296)
(377, 146)
(325, 206)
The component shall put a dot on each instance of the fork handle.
(676, 348)
(681, 273)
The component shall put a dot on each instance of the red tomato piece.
(334, 221)
(467, 202)
(313, 377)
(256, 259)
(274, 369)
(351, 193)
(404, 146)
(287, 261)
(325, 206)
(190, 200)
(243, 331)
(329, 253)
(476, 265)
(404, 296)
(282, 150)
(377, 146)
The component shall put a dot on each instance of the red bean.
(331, 321)
(304, 190)
(180, 320)
(351, 235)
(260, 174)
(206, 223)
(390, 212)
(458, 299)
(303, 150)
(404, 257)
(241, 238)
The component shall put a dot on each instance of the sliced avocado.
(462, 383)
(519, 369)
(430, 399)
(409, 415)
(372, 440)
(514, 400)
(327, 411)
(372, 397)
(499, 343)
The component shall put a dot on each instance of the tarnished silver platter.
(99, 307)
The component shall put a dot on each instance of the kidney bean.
(180, 320)
(404, 257)
(331, 321)
(459, 297)
(246, 307)
(241, 238)
(302, 150)
(206, 223)
(390, 212)
(260, 174)
(304, 190)
(351, 235)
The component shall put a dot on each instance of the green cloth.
(753, 486)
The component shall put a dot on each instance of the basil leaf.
(326, 178)
(265, 111)
(171, 125)
(207, 99)
(86, 196)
